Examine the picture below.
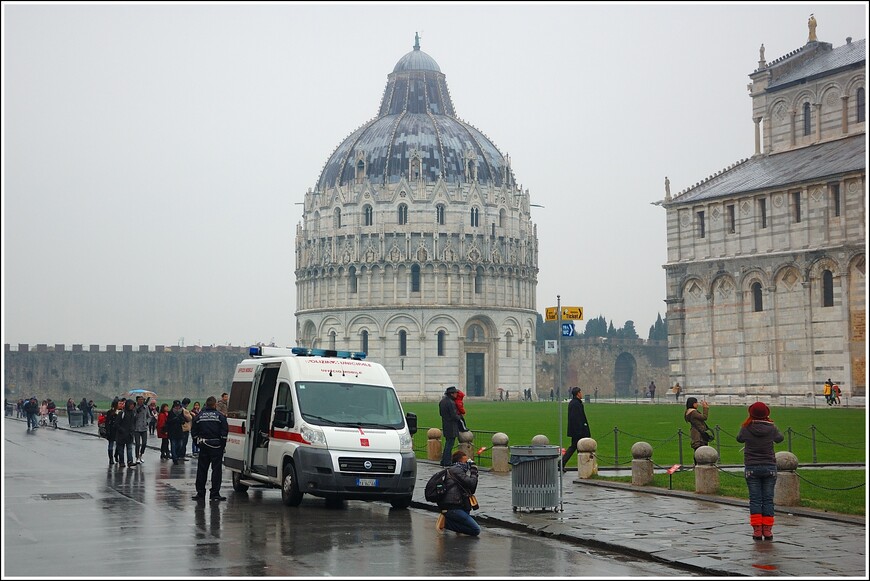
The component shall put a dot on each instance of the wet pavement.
(685, 533)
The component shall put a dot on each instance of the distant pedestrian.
(162, 433)
(31, 410)
(221, 405)
(677, 391)
(759, 433)
(451, 422)
(652, 390)
(210, 431)
(578, 425)
(152, 418)
(188, 418)
(175, 421)
(111, 430)
(461, 485)
(140, 436)
(194, 411)
(83, 406)
(91, 407)
(125, 426)
(596, 395)
(552, 394)
(699, 433)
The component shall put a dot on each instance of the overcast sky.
(154, 155)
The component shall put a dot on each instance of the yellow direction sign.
(572, 313)
(551, 314)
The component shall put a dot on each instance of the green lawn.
(820, 435)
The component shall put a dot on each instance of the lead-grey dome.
(416, 117)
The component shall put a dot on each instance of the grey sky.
(154, 154)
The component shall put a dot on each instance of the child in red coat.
(460, 407)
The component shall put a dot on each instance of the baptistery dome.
(416, 119)
(417, 247)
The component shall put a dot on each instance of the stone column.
(818, 107)
(434, 448)
(787, 491)
(844, 116)
(757, 135)
(641, 464)
(587, 463)
(465, 443)
(706, 471)
(500, 453)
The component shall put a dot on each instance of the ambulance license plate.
(366, 481)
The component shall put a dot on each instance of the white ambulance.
(322, 422)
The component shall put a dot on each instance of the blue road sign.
(567, 329)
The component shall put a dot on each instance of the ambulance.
(320, 422)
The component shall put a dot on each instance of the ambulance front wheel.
(402, 502)
(290, 493)
(237, 482)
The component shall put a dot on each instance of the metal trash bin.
(76, 418)
(535, 477)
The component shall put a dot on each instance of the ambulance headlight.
(405, 442)
(313, 435)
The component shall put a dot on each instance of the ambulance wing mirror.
(412, 422)
(283, 417)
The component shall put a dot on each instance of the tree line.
(599, 327)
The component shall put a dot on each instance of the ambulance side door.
(284, 421)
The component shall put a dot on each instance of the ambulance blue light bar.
(261, 351)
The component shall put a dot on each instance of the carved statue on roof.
(811, 23)
(667, 188)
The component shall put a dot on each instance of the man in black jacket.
(578, 426)
(451, 422)
(210, 430)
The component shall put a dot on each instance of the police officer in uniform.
(210, 431)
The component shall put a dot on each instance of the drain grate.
(64, 496)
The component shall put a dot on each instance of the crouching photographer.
(459, 499)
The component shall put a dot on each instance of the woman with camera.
(700, 433)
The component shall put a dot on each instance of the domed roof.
(416, 118)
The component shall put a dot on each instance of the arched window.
(403, 343)
(808, 124)
(364, 342)
(475, 217)
(351, 275)
(508, 345)
(827, 288)
(478, 281)
(415, 278)
(368, 215)
(332, 340)
(337, 222)
(439, 214)
(859, 100)
(403, 213)
(360, 171)
(757, 305)
(502, 219)
(441, 336)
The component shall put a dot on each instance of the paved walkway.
(706, 535)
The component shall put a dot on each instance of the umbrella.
(146, 393)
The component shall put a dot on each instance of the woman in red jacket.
(162, 433)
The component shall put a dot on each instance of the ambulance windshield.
(349, 404)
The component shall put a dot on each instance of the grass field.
(817, 435)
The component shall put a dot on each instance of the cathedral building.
(417, 247)
(766, 271)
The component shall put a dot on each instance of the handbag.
(472, 499)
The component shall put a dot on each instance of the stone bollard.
(587, 463)
(434, 448)
(540, 440)
(641, 464)
(706, 471)
(787, 491)
(466, 444)
(500, 453)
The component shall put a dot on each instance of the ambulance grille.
(378, 465)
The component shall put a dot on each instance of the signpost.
(567, 329)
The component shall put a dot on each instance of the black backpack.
(436, 487)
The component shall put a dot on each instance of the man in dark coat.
(578, 426)
(451, 422)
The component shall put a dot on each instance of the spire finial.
(416, 41)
